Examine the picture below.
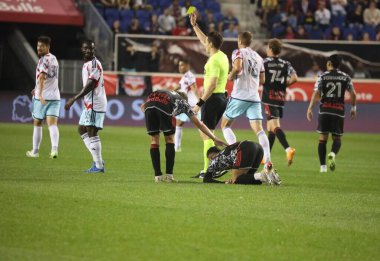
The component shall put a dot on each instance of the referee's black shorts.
(157, 121)
(213, 110)
(328, 123)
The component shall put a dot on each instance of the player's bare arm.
(207, 93)
(201, 36)
(91, 84)
(292, 80)
(196, 91)
(40, 87)
(309, 113)
(205, 130)
(353, 112)
(236, 69)
(262, 78)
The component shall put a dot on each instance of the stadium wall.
(125, 111)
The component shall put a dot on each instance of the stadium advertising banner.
(40, 12)
(125, 111)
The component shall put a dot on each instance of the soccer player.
(279, 74)
(331, 87)
(247, 73)
(188, 85)
(46, 98)
(95, 105)
(160, 108)
(213, 101)
(244, 159)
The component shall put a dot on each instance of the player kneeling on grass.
(243, 158)
(160, 109)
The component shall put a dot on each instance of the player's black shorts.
(273, 112)
(157, 121)
(249, 156)
(213, 110)
(328, 123)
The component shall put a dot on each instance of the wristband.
(353, 108)
(200, 103)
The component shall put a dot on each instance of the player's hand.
(219, 142)
(69, 103)
(42, 100)
(33, 92)
(193, 19)
(142, 107)
(353, 114)
(230, 77)
(309, 114)
(196, 109)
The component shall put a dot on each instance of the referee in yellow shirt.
(213, 101)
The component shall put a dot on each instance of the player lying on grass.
(243, 158)
(160, 108)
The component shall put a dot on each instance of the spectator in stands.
(153, 59)
(166, 22)
(301, 33)
(135, 28)
(372, 14)
(304, 6)
(109, 3)
(360, 72)
(356, 16)
(176, 10)
(335, 34)
(322, 16)
(292, 17)
(154, 27)
(231, 31)
(128, 58)
(141, 5)
(180, 28)
(289, 33)
(123, 4)
(116, 27)
(314, 71)
(230, 19)
(309, 19)
(366, 37)
(350, 37)
(211, 28)
(338, 7)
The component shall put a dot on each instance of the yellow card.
(191, 10)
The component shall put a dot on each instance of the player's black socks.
(155, 156)
(281, 137)
(271, 138)
(247, 179)
(170, 155)
(322, 151)
(336, 145)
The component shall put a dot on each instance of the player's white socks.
(37, 137)
(96, 151)
(178, 137)
(229, 135)
(86, 140)
(264, 142)
(257, 176)
(54, 137)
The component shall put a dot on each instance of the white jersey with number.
(246, 83)
(48, 65)
(95, 99)
(187, 80)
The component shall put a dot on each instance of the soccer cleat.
(179, 149)
(276, 180)
(218, 174)
(170, 178)
(94, 169)
(265, 178)
(53, 155)
(30, 154)
(200, 175)
(158, 179)
(331, 160)
(323, 168)
(290, 155)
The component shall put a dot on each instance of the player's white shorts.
(92, 118)
(235, 108)
(50, 109)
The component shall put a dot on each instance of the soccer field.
(52, 210)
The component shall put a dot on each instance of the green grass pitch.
(52, 210)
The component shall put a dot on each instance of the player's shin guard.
(86, 140)
(54, 137)
(337, 143)
(263, 140)
(206, 145)
(170, 156)
(229, 135)
(322, 152)
(96, 151)
(37, 137)
(271, 139)
(155, 156)
(281, 137)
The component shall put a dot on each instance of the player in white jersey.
(188, 85)
(247, 73)
(95, 105)
(46, 98)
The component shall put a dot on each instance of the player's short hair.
(335, 60)
(275, 45)
(246, 38)
(184, 60)
(182, 94)
(213, 150)
(44, 39)
(88, 42)
(216, 39)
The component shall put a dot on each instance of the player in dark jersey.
(160, 109)
(331, 87)
(243, 158)
(279, 74)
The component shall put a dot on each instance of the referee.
(213, 101)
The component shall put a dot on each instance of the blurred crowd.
(166, 17)
(322, 19)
